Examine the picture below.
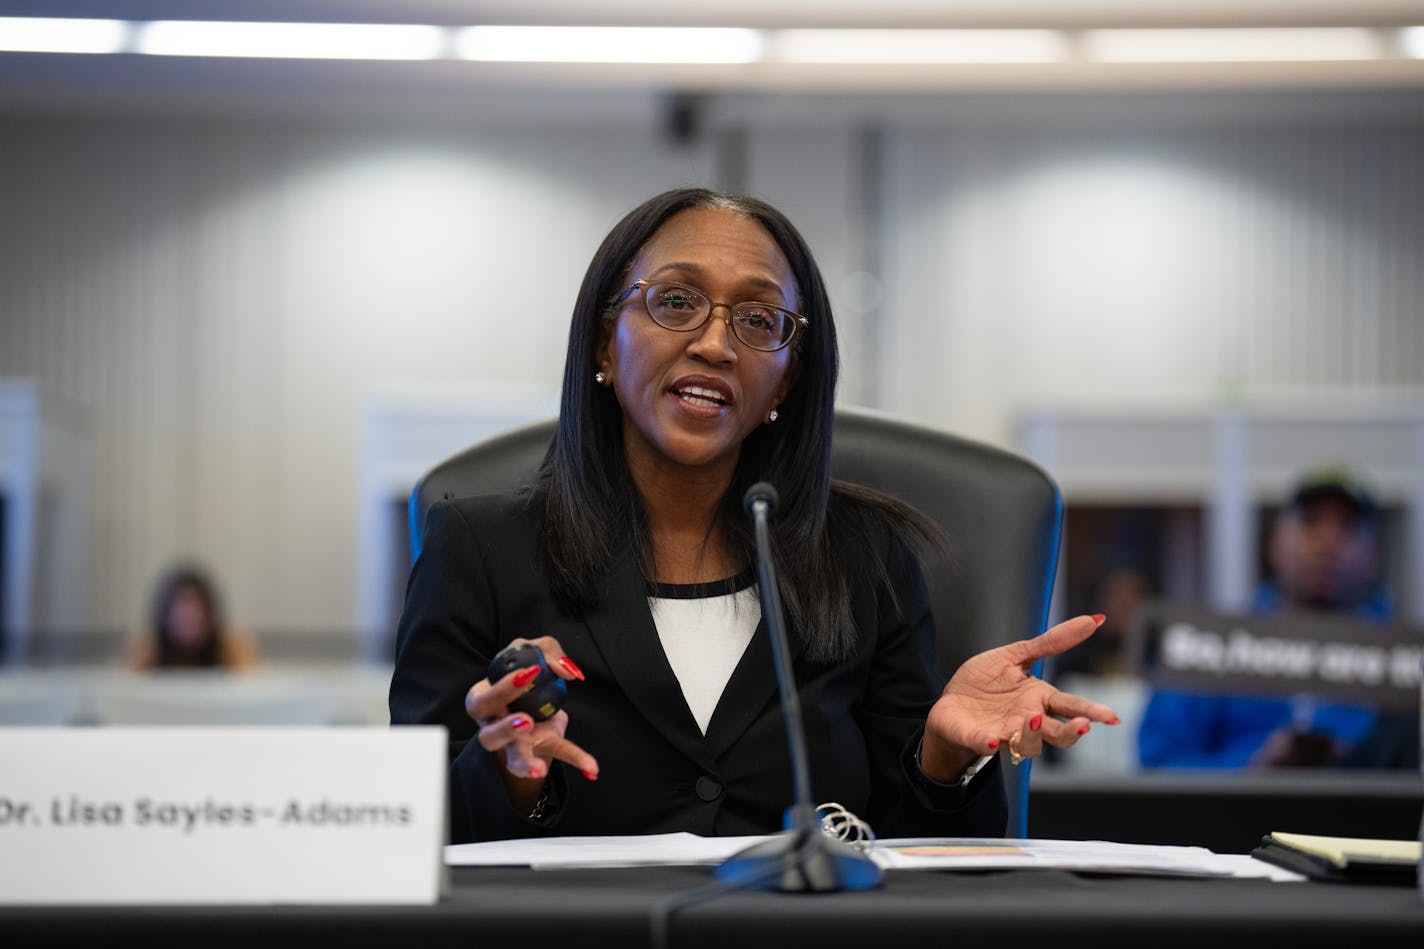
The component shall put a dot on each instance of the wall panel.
(1171, 265)
(218, 298)
(222, 297)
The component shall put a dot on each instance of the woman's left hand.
(993, 700)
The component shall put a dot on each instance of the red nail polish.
(1115, 721)
(1084, 730)
(1098, 619)
(525, 676)
(591, 775)
(535, 771)
(1035, 723)
(519, 723)
(571, 667)
(993, 744)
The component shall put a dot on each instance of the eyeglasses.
(680, 308)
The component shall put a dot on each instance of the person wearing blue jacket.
(1323, 554)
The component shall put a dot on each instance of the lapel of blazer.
(751, 687)
(621, 626)
(750, 690)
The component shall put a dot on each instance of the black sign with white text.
(1338, 658)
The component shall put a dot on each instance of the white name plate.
(224, 815)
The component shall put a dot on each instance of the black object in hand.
(546, 693)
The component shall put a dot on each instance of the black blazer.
(477, 584)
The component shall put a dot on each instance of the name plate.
(1337, 658)
(222, 815)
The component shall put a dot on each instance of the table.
(584, 908)
(1227, 812)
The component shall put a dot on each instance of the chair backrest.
(1002, 512)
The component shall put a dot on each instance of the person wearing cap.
(1323, 549)
(1323, 555)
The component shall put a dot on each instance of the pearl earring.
(599, 378)
(771, 416)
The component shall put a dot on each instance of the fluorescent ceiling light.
(59, 35)
(699, 45)
(1412, 39)
(607, 44)
(290, 40)
(1286, 44)
(917, 46)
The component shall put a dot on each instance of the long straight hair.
(592, 509)
(187, 577)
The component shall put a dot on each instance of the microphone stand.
(803, 858)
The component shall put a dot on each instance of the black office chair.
(1002, 512)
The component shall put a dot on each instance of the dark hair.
(593, 510)
(1335, 484)
(177, 579)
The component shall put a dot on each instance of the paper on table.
(1245, 865)
(958, 853)
(1101, 856)
(554, 853)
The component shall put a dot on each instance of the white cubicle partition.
(294, 694)
(1232, 459)
(404, 432)
(44, 471)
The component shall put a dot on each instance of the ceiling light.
(1305, 44)
(290, 40)
(607, 44)
(917, 46)
(59, 35)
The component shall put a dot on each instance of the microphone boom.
(803, 859)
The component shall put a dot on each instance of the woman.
(702, 358)
(188, 629)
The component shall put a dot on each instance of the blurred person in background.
(1323, 553)
(187, 627)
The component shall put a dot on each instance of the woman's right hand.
(527, 746)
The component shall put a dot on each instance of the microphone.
(803, 859)
(762, 494)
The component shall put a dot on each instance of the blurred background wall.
(224, 269)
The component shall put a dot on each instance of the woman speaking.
(702, 359)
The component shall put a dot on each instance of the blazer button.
(708, 789)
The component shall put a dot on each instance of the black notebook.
(1343, 859)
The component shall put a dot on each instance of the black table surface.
(1224, 811)
(521, 907)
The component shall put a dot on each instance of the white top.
(704, 637)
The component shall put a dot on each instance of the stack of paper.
(1344, 859)
(956, 853)
(562, 853)
(1088, 856)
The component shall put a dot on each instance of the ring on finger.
(1014, 756)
